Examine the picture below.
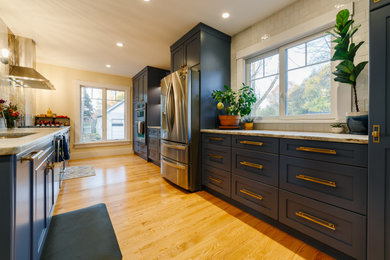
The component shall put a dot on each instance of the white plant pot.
(337, 130)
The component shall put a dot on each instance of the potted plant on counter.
(237, 104)
(346, 71)
(337, 128)
(248, 123)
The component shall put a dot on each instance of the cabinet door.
(23, 210)
(379, 148)
(192, 50)
(144, 87)
(49, 182)
(136, 89)
(177, 58)
(141, 89)
(39, 214)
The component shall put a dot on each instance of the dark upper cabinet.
(177, 58)
(208, 50)
(192, 50)
(374, 4)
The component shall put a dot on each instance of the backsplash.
(24, 98)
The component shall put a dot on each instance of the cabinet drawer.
(338, 228)
(217, 139)
(154, 155)
(217, 156)
(257, 166)
(154, 133)
(258, 196)
(154, 143)
(217, 179)
(340, 185)
(256, 143)
(352, 154)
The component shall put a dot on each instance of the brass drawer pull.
(316, 180)
(215, 138)
(215, 179)
(253, 165)
(215, 156)
(251, 143)
(252, 194)
(316, 220)
(316, 150)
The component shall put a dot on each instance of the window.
(294, 80)
(102, 114)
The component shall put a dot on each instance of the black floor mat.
(82, 234)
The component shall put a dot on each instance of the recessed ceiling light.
(147, 0)
(225, 15)
(108, 66)
(119, 44)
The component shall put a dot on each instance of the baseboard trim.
(75, 155)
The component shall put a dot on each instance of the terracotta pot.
(229, 120)
(248, 126)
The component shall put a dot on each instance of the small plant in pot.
(337, 128)
(346, 71)
(248, 123)
(236, 104)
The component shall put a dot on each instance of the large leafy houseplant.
(236, 103)
(345, 51)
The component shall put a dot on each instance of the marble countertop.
(341, 138)
(155, 127)
(10, 146)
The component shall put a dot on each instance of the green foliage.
(248, 120)
(312, 96)
(345, 51)
(236, 103)
(336, 125)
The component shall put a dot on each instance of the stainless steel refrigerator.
(180, 129)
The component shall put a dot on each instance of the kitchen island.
(312, 185)
(31, 169)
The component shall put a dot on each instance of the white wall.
(63, 100)
(294, 15)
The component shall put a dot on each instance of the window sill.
(101, 144)
(299, 121)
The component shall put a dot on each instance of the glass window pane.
(115, 115)
(308, 90)
(91, 114)
(271, 65)
(296, 56)
(256, 70)
(267, 94)
(319, 50)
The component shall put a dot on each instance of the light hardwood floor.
(154, 220)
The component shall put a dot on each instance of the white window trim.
(77, 112)
(341, 96)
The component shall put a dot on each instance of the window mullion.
(104, 115)
(282, 82)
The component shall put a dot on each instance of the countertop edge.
(314, 136)
(21, 148)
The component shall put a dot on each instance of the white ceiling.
(82, 33)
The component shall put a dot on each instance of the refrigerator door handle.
(171, 108)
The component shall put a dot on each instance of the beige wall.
(63, 101)
(296, 14)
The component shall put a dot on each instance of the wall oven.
(140, 122)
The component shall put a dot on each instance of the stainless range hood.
(22, 64)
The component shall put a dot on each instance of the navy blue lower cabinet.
(217, 156)
(340, 185)
(256, 195)
(263, 167)
(338, 228)
(343, 153)
(217, 179)
(256, 143)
